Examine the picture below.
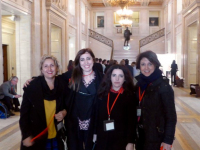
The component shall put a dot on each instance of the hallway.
(187, 131)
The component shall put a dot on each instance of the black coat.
(158, 113)
(124, 116)
(99, 67)
(32, 114)
(72, 127)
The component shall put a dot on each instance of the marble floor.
(187, 130)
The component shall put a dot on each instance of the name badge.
(109, 125)
(139, 111)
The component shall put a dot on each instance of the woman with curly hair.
(116, 120)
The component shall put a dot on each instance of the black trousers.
(173, 76)
(9, 102)
(143, 144)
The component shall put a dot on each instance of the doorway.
(5, 63)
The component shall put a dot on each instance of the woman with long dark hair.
(81, 101)
(156, 108)
(116, 110)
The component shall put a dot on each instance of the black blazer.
(32, 114)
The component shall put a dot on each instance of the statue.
(127, 35)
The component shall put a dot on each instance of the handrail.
(101, 39)
(152, 37)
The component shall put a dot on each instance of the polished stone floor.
(187, 130)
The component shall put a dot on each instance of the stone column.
(1, 53)
(23, 51)
(36, 38)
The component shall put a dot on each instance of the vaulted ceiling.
(104, 3)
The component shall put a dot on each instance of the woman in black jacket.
(156, 108)
(42, 109)
(116, 119)
(81, 101)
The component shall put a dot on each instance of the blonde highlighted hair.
(45, 57)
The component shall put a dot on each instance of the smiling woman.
(42, 102)
(81, 102)
(156, 109)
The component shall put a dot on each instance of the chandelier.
(126, 22)
(124, 12)
(121, 3)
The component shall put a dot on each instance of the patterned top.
(87, 84)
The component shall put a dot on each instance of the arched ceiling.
(104, 3)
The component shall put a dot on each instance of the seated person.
(8, 95)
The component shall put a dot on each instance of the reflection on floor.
(187, 131)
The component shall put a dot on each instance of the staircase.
(131, 55)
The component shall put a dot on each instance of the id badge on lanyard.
(109, 125)
(139, 110)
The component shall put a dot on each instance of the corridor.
(187, 131)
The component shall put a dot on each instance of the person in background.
(42, 109)
(117, 108)
(156, 107)
(98, 66)
(122, 62)
(111, 62)
(129, 67)
(174, 69)
(115, 62)
(104, 65)
(8, 95)
(81, 101)
(70, 65)
(136, 72)
(108, 61)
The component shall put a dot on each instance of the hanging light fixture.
(121, 3)
(124, 12)
(126, 22)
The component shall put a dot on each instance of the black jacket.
(32, 113)
(72, 126)
(124, 116)
(158, 112)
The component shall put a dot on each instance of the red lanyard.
(109, 111)
(141, 96)
(44, 131)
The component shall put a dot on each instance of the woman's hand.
(166, 146)
(130, 146)
(27, 142)
(60, 115)
(27, 82)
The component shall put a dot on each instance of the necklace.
(88, 74)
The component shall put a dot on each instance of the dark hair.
(115, 62)
(70, 65)
(106, 83)
(78, 72)
(96, 59)
(100, 60)
(126, 62)
(111, 62)
(151, 56)
(104, 61)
